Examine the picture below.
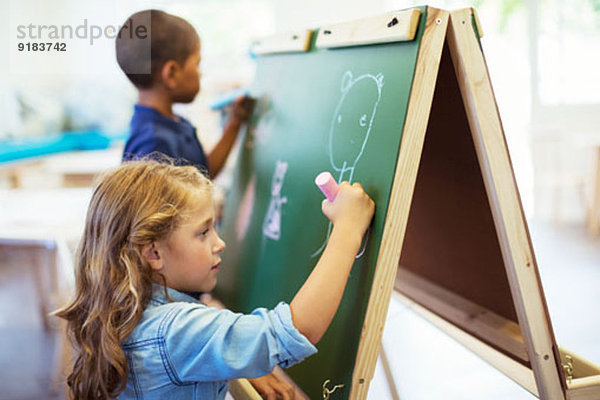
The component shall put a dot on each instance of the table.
(47, 225)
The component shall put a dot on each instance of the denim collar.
(158, 295)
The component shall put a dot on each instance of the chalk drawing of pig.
(351, 124)
(352, 121)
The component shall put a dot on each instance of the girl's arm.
(318, 299)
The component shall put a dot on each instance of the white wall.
(292, 15)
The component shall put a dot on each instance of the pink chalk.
(328, 185)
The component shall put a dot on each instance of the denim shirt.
(185, 350)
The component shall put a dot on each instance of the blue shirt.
(151, 131)
(185, 350)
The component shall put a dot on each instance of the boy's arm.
(317, 301)
(241, 110)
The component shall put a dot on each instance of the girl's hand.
(351, 210)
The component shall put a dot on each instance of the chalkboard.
(340, 110)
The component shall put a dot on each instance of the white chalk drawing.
(272, 222)
(260, 131)
(245, 210)
(351, 126)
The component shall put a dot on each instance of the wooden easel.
(523, 347)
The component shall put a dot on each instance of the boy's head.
(171, 47)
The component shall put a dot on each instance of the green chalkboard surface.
(339, 110)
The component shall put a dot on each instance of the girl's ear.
(152, 254)
(168, 73)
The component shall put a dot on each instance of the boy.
(160, 54)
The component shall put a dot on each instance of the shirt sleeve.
(206, 344)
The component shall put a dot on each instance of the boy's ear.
(168, 73)
(152, 254)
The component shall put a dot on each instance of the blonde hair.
(133, 205)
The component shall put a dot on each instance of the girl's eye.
(204, 232)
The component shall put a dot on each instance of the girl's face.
(190, 256)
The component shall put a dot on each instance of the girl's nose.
(220, 246)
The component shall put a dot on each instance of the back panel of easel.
(451, 239)
(467, 255)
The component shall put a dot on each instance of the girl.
(149, 241)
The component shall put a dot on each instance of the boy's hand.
(352, 208)
(241, 108)
(271, 388)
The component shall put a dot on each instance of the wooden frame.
(494, 161)
(292, 42)
(407, 165)
(523, 348)
(479, 321)
(395, 26)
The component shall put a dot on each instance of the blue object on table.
(94, 139)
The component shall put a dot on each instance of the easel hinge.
(568, 368)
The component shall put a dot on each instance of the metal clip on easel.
(328, 392)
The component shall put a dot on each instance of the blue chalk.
(227, 98)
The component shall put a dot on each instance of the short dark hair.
(167, 37)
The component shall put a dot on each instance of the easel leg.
(45, 274)
(592, 218)
(63, 360)
(39, 259)
(388, 373)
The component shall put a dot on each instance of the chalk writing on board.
(272, 222)
(261, 131)
(350, 126)
(245, 210)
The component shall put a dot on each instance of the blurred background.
(544, 60)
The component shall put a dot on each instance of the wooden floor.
(426, 364)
